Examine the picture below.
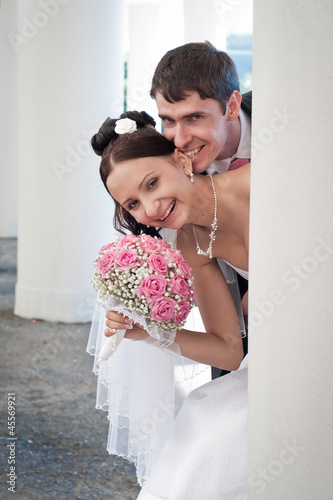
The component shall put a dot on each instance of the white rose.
(125, 126)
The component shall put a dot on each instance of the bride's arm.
(222, 345)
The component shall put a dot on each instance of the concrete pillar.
(291, 253)
(8, 125)
(70, 74)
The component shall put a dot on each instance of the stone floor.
(60, 446)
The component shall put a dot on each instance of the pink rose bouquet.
(149, 281)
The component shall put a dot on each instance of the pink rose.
(153, 287)
(163, 244)
(105, 263)
(149, 244)
(127, 240)
(184, 268)
(106, 247)
(172, 254)
(163, 309)
(125, 259)
(183, 311)
(157, 263)
(179, 286)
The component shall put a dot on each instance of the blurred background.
(66, 66)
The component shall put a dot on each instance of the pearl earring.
(191, 174)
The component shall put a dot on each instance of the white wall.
(291, 253)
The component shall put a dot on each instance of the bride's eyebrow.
(140, 185)
(145, 177)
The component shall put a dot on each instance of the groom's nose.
(182, 136)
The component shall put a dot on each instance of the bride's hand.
(115, 321)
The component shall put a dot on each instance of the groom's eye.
(167, 121)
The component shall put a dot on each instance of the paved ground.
(60, 450)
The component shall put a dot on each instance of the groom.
(196, 88)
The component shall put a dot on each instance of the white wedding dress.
(204, 456)
(185, 436)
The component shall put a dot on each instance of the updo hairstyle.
(145, 142)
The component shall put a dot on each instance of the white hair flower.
(125, 126)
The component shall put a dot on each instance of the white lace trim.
(141, 389)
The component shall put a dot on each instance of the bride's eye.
(132, 204)
(152, 183)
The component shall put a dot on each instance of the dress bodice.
(244, 274)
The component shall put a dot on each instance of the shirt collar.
(243, 150)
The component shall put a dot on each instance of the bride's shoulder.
(233, 175)
(235, 181)
(244, 178)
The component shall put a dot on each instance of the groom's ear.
(234, 105)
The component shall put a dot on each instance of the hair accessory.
(191, 174)
(208, 252)
(125, 126)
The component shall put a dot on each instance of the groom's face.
(197, 127)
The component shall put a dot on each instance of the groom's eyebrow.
(183, 117)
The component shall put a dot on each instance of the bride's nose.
(152, 208)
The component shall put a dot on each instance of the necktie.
(237, 163)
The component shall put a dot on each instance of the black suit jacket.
(246, 103)
(246, 106)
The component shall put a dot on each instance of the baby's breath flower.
(124, 281)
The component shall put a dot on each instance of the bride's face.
(155, 190)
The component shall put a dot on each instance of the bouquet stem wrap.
(110, 346)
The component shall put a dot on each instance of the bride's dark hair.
(113, 148)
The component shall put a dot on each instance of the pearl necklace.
(208, 252)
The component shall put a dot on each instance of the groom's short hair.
(196, 67)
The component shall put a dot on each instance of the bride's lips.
(168, 212)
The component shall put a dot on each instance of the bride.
(153, 187)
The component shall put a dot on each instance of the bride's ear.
(184, 161)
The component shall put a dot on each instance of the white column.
(291, 253)
(8, 124)
(207, 22)
(70, 76)
(153, 28)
